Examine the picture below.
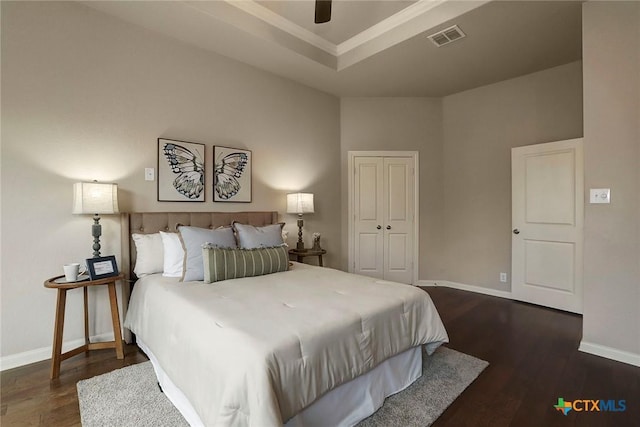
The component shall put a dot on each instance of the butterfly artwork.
(231, 175)
(180, 171)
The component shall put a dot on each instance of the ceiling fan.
(323, 11)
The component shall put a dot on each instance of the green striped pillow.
(228, 263)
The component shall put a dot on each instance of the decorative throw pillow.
(149, 254)
(250, 237)
(223, 264)
(192, 240)
(173, 255)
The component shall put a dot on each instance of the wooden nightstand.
(300, 255)
(56, 355)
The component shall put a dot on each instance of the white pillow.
(173, 255)
(250, 237)
(192, 240)
(149, 254)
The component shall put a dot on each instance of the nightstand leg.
(115, 317)
(86, 318)
(57, 334)
(320, 261)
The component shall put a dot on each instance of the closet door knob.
(388, 227)
(379, 227)
(516, 231)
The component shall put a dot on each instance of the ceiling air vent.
(446, 36)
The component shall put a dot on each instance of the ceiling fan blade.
(323, 11)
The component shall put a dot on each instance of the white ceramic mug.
(71, 271)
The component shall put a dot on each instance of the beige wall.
(611, 52)
(465, 144)
(412, 124)
(480, 128)
(85, 96)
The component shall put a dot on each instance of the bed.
(304, 347)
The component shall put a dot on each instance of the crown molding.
(396, 20)
(407, 23)
(272, 18)
(398, 27)
(388, 24)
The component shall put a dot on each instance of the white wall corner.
(25, 358)
(610, 353)
(465, 287)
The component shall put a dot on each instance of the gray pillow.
(223, 264)
(250, 237)
(192, 240)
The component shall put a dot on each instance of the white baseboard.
(16, 360)
(610, 353)
(464, 287)
(428, 283)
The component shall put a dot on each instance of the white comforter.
(256, 351)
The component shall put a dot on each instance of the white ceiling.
(373, 48)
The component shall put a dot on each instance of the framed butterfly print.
(231, 175)
(180, 171)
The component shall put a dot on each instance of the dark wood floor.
(532, 353)
(29, 398)
(534, 360)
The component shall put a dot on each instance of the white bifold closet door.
(383, 224)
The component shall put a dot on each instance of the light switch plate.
(599, 195)
(149, 174)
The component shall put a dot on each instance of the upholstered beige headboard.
(152, 222)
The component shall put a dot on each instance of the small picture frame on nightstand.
(102, 267)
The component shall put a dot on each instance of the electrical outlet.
(599, 195)
(149, 174)
(503, 277)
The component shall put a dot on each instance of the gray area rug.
(131, 397)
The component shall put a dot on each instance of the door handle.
(388, 227)
(516, 231)
(379, 227)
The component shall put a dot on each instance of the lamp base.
(96, 232)
(300, 244)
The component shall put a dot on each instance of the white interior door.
(368, 211)
(547, 224)
(384, 223)
(398, 219)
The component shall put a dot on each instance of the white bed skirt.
(345, 405)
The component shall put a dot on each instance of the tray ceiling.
(373, 48)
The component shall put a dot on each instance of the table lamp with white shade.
(300, 203)
(95, 198)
